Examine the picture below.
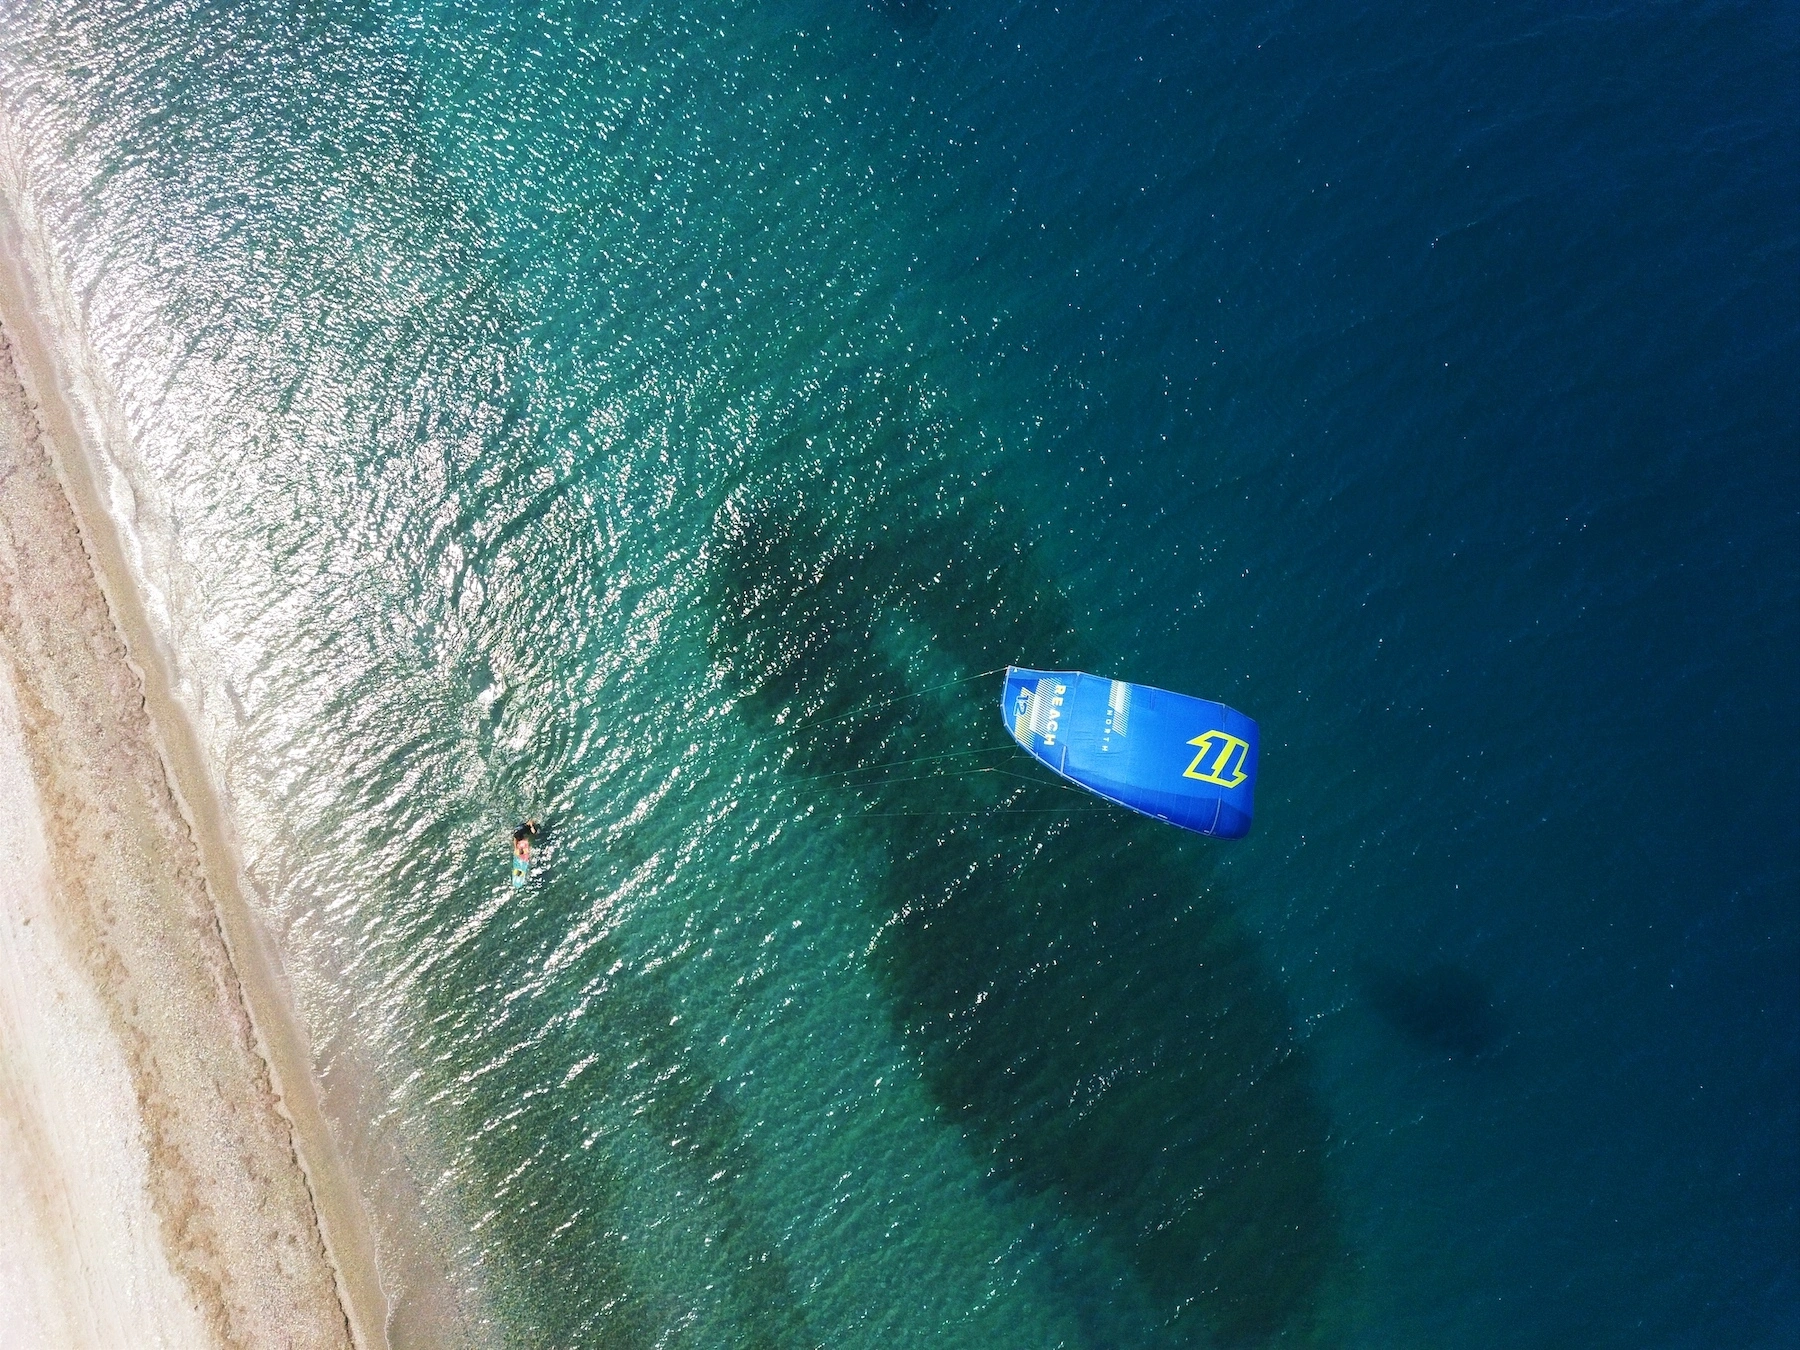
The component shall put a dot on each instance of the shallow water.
(602, 411)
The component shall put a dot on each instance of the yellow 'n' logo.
(1227, 747)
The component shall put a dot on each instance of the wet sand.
(166, 1176)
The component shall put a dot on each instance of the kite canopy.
(1185, 760)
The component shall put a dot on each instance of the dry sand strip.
(167, 1176)
(81, 1253)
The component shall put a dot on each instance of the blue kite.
(1188, 761)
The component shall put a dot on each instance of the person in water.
(522, 838)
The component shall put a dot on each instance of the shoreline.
(252, 972)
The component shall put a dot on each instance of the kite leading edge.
(1188, 761)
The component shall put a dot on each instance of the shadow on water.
(1082, 1009)
(1444, 1009)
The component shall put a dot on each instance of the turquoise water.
(601, 412)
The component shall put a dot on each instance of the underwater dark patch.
(913, 16)
(1080, 1004)
(579, 1286)
(1444, 1009)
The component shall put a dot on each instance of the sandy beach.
(166, 1177)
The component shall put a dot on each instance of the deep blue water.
(604, 410)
